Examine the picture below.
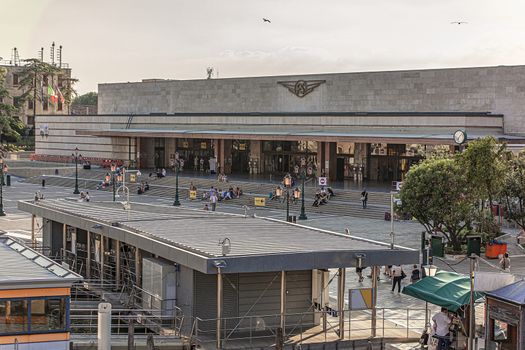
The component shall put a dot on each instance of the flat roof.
(23, 267)
(191, 237)
(420, 135)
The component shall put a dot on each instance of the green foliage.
(11, 128)
(484, 164)
(437, 194)
(89, 99)
(513, 192)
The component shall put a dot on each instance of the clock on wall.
(460, 137)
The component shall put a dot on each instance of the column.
(88, 257)
(117, 257)
(137, 152)
(219, 308)
(375, 275)
(33, 241)
(341, 301)
(283, 300)
(221, 155)
(138, 268)
(64, 241)
(102, 255)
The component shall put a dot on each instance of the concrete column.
(283, 300)
(88, 258)
(137, 152)
(341, 301)
(375, 275)
(104, 326)
(33, 240)
(219, 309)
(221, 155)
(102, 250)
(138, 267)
(117, 257)
(64, 241)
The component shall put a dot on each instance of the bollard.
(104, 326)
(43, 182)
(8, 180)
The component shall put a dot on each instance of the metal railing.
(313, 327)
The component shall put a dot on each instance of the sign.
(360, 299)
(193, 194)
(132, 178)
(242, 147)
(259, 201)
(397, 185)
(203, 145)
(323, 181)
(185, 144)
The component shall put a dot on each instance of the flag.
(52, 95)
(59, 94)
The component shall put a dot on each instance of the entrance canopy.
(446, 289)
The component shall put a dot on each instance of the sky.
(129, 40)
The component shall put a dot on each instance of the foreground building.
(372, 125)
(230, 276)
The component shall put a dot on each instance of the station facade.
(373, 125)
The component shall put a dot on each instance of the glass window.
(13, 316)
(48, 315)
(15, 79)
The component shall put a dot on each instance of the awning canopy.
(447, 289)
(514, 293)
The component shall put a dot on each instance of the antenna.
(15, 59)
(41, 54)
(52, 53)
(209, 72)
(59, 56)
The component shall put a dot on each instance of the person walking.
(359, 271)
(416, 274)
(213, 200)
(397, 275)
(364, 198)
(504, 263)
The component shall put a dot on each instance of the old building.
(368, 124)
(43, 106)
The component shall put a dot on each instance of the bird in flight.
(458, 22)
(266, 20)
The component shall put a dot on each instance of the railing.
(313, 327)
(85, 321)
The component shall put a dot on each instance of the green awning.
(446, 289)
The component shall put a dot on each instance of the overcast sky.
(129, 40)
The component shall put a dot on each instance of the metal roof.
(21, 265)
(191, 237)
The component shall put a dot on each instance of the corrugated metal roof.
(19, 263)
(200, 231)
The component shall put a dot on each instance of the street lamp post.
(303, 216)
(113, 171)
(176, 203)
(76, 156)
(287, 182)
(3, 167)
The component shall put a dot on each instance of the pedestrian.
(359, 271)
(86, 197)
(397, 275)
(364, 198)
(213, 200)
(416, 274)
(504, 263)
(441, 329)
(206, 208)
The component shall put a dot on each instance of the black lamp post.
(76, 156)
(287, 182)
(3, 168)
(113, 172)
(303, 174)
(177, 165)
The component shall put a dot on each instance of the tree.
(89, 99)
(513, 193)
(436, 193)
(10, 127)
(485, 167)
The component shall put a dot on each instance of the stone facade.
(500, 90)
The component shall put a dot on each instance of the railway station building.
(343, 125)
